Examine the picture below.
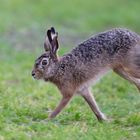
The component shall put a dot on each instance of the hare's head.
(45, 64)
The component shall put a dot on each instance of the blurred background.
(25, 103)
(23, 23)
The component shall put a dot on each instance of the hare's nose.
(33, 74)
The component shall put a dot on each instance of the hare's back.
(106, 45)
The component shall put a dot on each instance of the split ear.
(51, 42)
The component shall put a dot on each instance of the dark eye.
(44, 62)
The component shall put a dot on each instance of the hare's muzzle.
(33, 73)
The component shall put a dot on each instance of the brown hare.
(116, 49)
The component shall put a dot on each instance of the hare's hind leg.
(89, 98)
(120, 71)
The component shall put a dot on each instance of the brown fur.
(117, 49)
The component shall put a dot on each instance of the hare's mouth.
(37, 77)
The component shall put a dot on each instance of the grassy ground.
(25, 103)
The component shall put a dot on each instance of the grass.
(25, 103)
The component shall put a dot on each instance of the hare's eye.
(44, 62)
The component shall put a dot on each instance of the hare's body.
(117, 49)
(92, 58)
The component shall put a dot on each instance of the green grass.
(25, 103)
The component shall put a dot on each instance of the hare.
(117, 49)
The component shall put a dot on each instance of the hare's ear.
(51, 42)
(54, 43)
(48, 40)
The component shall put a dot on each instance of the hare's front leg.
(89, 98)
(64, 101)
